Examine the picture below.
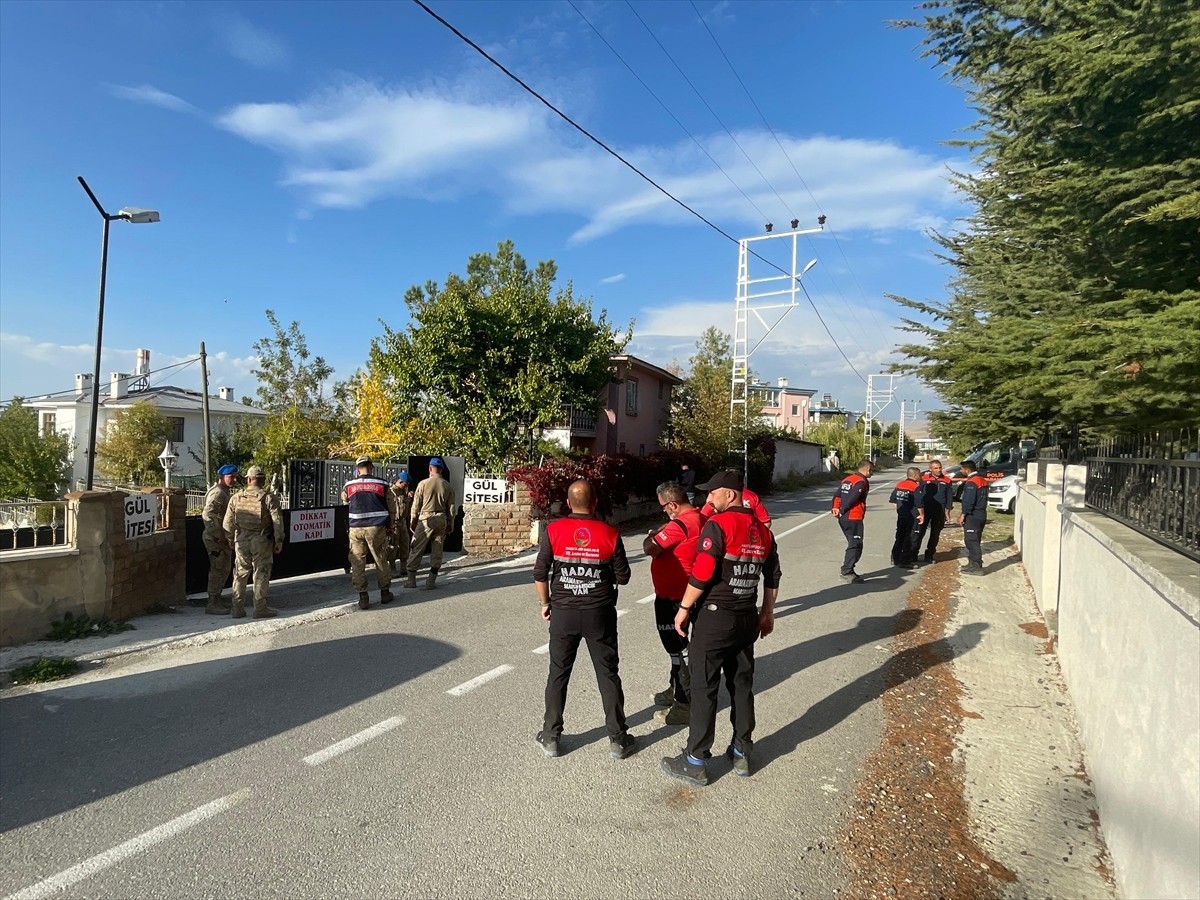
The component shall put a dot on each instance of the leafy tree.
(833, 433)
(374, 426)
(700, 412)
(1075, 297)
(890, 443)
(235, 443)
(128, 453)
(32, 465)
(494, 351)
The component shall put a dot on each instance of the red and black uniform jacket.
(904, 495)
(851, 497)
(736, 550)
(584, 561)
(974, 503)
(935, 493)
(679, 541)
(750, 500)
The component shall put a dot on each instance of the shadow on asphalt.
(81, 743)
(846, 700)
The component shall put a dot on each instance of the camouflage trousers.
(398, 549)
(220, 561)
(369, 542)
(255, 555)
(430, 533)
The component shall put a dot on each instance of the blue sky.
(319, 158)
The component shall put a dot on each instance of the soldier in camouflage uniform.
(401, 533)
(254, 524)
(432, 518)
(220, 554)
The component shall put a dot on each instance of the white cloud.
(252, 45)
(152, 96)
(613, 279)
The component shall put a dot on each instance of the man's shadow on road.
(846, 700)
(873, 584)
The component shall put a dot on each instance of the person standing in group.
(579, 564)
(372, 518)
(220, 553)
(934, 499)
(687, 481)
(672, 550)
(254, 525)
(735, 553)
(432, 518)
(903, 500)
(401, 535)
(750, 500)
(850, 508)
(972, 516)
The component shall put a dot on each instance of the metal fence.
(1150, 482)
(29, 524)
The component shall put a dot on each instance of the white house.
(182, 407)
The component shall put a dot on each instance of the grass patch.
(1000, 527)
(48, 668)
(796, 482)
(73, 627)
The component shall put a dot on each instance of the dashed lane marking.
(467, 686)
(109, 858)
(322, 756)
(544, 649)
(647, 599)
(798, 527)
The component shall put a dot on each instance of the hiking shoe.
(549, 745)
(665, 698)
(853, 578)
(677, 714)
(680, 768)
(741, 762)
(973, 569)
(927, 559)
(364, 600)
(266, 613)
(621, 747)
(386, 597)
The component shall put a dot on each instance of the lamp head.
(138, 216)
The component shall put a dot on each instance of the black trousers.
(853, 530)
(935, 519)
(599, 628)
(972, 535)
(676, 647)
(903, 550)
(722, 641)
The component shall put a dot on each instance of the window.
(795, 409)
(631, 397)
(48, 423)
(176, 423)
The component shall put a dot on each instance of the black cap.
(726, 478)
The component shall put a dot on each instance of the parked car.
(1002, 493)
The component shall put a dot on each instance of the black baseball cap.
(726, 478)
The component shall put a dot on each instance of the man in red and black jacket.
(580, 562)
(935, 497)
(903, 498)
(736, 552)
(972, 517)
(850, 508)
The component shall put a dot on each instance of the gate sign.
(141, 511)
(311, 525)
(488, 490)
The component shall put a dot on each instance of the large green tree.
(235, 442)
(497, 350)
(32, 465)
(128, 452)
(1075, 299)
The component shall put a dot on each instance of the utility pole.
(903, 416)
(878, 399)
(208, 471)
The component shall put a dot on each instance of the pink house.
(783, 406)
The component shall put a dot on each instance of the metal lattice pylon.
(878, 399)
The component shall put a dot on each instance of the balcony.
(580, 422)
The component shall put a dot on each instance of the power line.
(68, 391)
(613, 153)
(667, 110)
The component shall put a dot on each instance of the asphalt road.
(390, 753)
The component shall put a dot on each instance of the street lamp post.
(137, 216)
(168, 458)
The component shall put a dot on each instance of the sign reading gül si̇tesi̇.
(141, 511)
(488, 490)
(311, 525)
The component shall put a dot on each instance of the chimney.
(783, 382)
(83, 384)
(118, 385)
(826, 401)
(143, 362)
(226, 393)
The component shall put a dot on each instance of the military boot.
(431, 579)
(412, 579)
(238, 610)
(364, 600)
(217, 607)
(265, 612)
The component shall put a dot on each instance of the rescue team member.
(432, 518)
(672, 551)
(973, 516)
(220, 553)
(903, 499)
(735, 552)
(579, 564)
(934, 500)
(401, 534)
(372, 518)
(850, 507)
(254, 525)
(750, 500)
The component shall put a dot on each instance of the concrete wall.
(795, 458)
(103, 575)
(1128, 623)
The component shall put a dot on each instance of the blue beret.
(228, 469)
(437, 461)
(403, 476)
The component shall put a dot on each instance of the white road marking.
(621, 612)
(353, 741)
(798, 527)
(468, 686)
(649, 598)
(64, 879)
(545, 648)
